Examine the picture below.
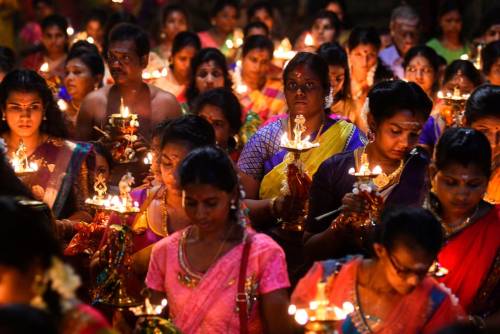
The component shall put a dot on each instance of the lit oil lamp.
(154, 74)
(320, 316)
(150, 319)
(298, 181)
(111, 287)
(70, 31)
(284, 50)
(20, 162)
(63, 105)
(127, 125)
(456, 100)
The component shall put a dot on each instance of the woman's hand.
(288, 208)
(354, 205)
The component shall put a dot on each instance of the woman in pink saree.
(218, 275)
(391, 293)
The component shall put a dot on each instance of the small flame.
(44, 67)
(464, 57)
(309, 40)
(90, 39)
(146, 75)
(70, 31)
(241, 89)
(229, 44)
(156, 74)
(292, 309)
(63, 106)
(348, 307)
(125, 112)
(301, 317)
(164, 72)
(377, 170)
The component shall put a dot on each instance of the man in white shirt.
(404, 28)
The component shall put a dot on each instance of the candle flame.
(309, 40)
(229, 44)
(292, 309)
(377, 170)
(44, 67)
(90, 39)
(301, 317)
(63, 106)
(125, 112)
(70, 31)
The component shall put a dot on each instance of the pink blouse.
(210, 306)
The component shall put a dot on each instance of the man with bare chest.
(127, 56)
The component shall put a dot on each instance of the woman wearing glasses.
(472, 252)
(31, 116)
(390, 292)
(262, 162)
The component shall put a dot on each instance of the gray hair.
(404, 12)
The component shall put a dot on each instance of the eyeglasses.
(404, 272)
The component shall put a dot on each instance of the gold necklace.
(383, 180)
(451, 230)
(189, 278)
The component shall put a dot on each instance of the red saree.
(470, 255)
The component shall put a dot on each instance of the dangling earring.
(329, 99)
(370, 136)
(3, 117)
(44, 118)
(233, 206)
(39, 287)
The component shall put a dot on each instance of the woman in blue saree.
(263, 162)
(31, 116)
(397, 112)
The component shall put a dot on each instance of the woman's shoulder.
(262, 241)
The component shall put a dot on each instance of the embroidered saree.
(264, 159)
(210, 306)
(259, 105)
(426, 309)
(61, 180)
(472, 258)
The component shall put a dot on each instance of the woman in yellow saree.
(263, 162)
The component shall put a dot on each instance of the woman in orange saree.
(391, 292)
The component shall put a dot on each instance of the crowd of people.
(387, 200)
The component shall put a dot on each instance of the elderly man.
(404, 28)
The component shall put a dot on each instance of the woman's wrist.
(272, 207)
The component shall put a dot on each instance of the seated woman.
(365, 68)
(421, 65)
(54, 48)
(185, 46)
(458, 186)
(340, 82)
(450, 40)
(397, 112)
(260, 96)
(161, 210)
(390, 292)
(208, 71)
(222, 110)
(174, 19)
(84, 72)
(262, 162)
(31, 116)
(491, 62)
(481, 113)
(36, 275)
(461, 75)
(205, 269)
